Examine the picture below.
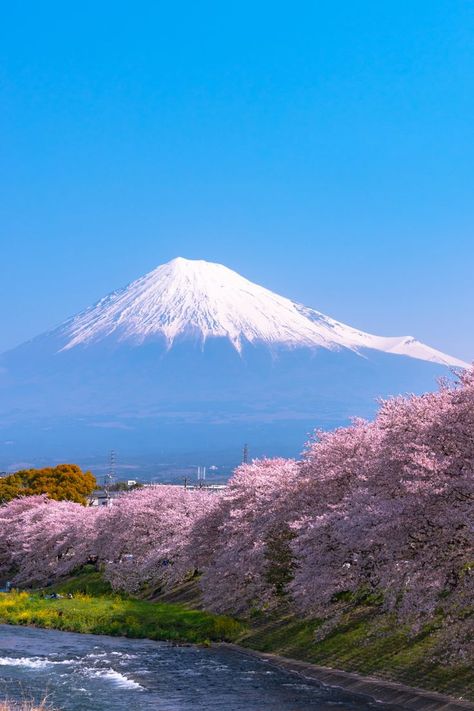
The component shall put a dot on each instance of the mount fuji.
(194, 358)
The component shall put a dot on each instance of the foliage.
(63, 482)
(280, 560)
(124, 486)
(86, 580)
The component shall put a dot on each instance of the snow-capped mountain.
(205, 300)
(194, 357)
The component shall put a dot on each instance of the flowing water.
(91, 673)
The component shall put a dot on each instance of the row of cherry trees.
(382, 508)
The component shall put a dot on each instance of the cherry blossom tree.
(45, 539)
(243, 548)
(402, 523)
(142, 538)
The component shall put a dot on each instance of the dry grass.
(24, 706)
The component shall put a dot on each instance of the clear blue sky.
(323, 149)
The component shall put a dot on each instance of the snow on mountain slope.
(206, 300)
(398, 345)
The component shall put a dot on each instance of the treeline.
(380, 510)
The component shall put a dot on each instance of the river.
(91, 673)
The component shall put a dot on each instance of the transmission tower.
(245, 454)
(109, 478)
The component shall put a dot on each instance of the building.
(101, 497)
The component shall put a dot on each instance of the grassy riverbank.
(367, 642)
(116, 615)
(364, 640)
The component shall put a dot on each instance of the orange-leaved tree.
(63, 482)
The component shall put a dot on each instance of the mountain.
(195, 358)
(202, 300)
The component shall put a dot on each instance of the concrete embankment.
(388, 692)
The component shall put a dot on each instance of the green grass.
(368, 642)
(88, 580)
(115, 615)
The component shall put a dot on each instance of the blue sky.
(323, 149)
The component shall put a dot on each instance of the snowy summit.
(206, 300)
